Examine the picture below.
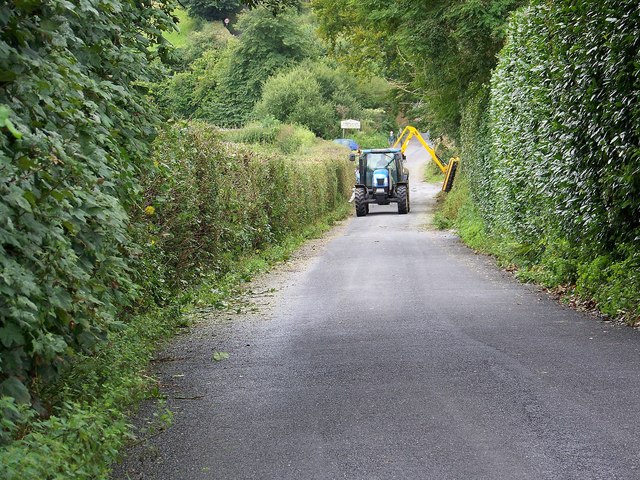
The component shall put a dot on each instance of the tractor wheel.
(403, 199)
(408, 199)
(361, 206)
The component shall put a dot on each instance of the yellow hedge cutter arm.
(449, 169)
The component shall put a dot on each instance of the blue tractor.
(381, 178)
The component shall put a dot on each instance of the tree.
(434, 52)
(219, 9)
(223, 86)
(314, 94)
(214, 9)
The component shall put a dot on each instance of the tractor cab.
(380, 168)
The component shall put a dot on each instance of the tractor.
(381, 178)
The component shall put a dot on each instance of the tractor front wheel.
(403, 199)
(361, 205)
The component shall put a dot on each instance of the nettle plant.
(74, 131)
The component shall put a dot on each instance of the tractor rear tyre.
(403, 199)
(361, 205)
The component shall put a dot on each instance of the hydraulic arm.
(449, 169)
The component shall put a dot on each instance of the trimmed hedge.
(209, 202)
(270, 132)
(554, 160)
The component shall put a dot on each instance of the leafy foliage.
(434, 52)
(214, 9)
(553, 153)
(565, 126)
(206, 37)
(270, 131)
(372, 139)
(219, 9)
(186, 25)
(75, 125)
(223, 85)
(274, 6)
(223, 80)
(88, 425)
(314, 94)
(214, 202)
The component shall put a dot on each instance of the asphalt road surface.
(393, 352)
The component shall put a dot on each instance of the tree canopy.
(219, 9)
(223, 85)
(434, 52)
(314, 94)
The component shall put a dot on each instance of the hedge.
(208, 201)
(75, 126)
(553, 147)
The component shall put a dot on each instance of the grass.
(186, 25)
(432, 173)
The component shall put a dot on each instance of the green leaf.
(12, 387)
(10, 335)
(31, 198)
(219, 356)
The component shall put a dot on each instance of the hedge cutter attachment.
(449, 169)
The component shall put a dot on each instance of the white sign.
(350, 124)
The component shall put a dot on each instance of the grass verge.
(89, 426)
(432, 173)
(608, 284)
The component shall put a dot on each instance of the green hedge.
(214, 201)
(288, 139)
(75, 126)
(552, 152)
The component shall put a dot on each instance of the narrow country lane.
(397, 353)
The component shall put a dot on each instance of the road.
(394, 352)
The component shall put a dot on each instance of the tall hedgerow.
(565, 124)
(74, 133)
(214, 202)
(558, 171)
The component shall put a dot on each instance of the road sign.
(350, 124)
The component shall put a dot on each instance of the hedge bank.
(552, 151)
